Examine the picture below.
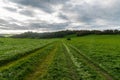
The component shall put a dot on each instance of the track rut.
(91, 63)
(28, 54)
(42, 68)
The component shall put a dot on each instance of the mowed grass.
(13, 49)
(93, 57)
(104, 50)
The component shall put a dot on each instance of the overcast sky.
(18, 16)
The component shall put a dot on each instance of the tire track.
(19, 56)
(91, 64)
(72, 72)
(28, 54)
(42, 68)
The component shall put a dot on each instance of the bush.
(68, 38)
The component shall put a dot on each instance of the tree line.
(61, 34)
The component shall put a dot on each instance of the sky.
(18, 16)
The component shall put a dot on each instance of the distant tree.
(108, 32)
(83, 32)
(61, 34)
(1, 36)
(116, 32)
(96, 32)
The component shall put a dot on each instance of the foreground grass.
(82, 58)
(41, 68)
(103, 50)
(18, 70)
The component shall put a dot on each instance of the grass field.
(93, 57)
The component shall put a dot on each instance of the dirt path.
(91, 64)
(42, 68)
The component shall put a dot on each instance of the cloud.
(54, 15)
(2, 21)
(48, 26)
(32, 25)
(62, 16)
(11, 25)
(29, 13)
(11, 9)
(45, 5)
(90, 11)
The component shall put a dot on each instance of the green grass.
(57, 70)
(24, 66)
(93, 57)
(103, 50)
(13, 49)
(83, 65)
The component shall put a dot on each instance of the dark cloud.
(55, 26)
(4, 24)
(11, 9)
(62, 16)
(13, 26)
(29, 13)
(7, 25)
(2, 21)
(32, 26)
(88, 13)
(45, 5)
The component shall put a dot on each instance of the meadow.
(92, 57)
